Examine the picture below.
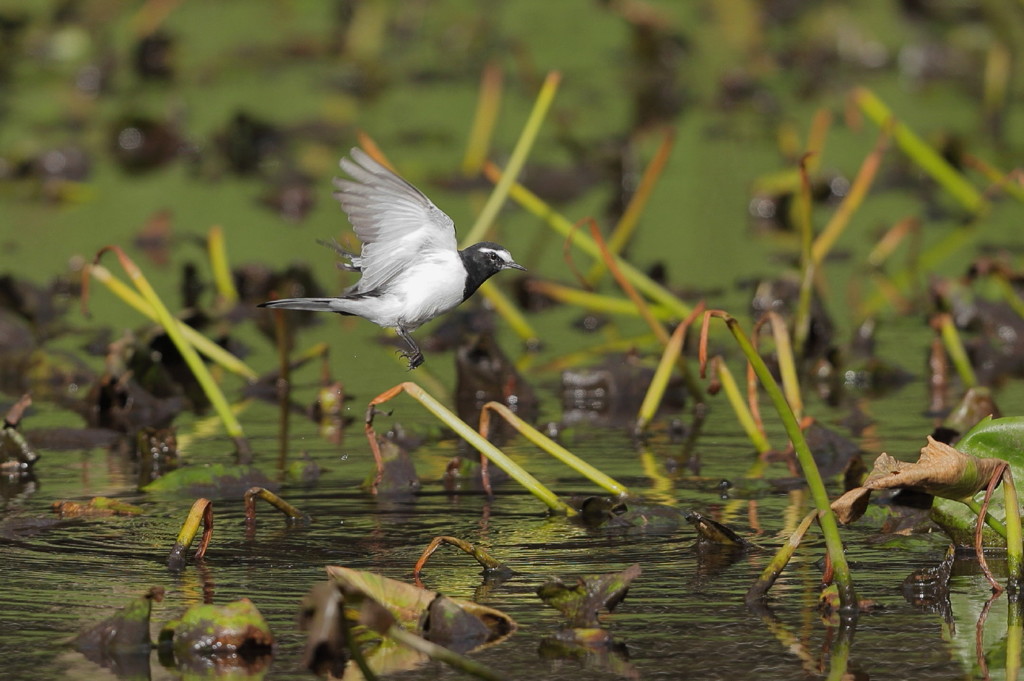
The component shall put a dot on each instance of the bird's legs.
(415, 356)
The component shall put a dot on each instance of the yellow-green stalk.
(556, 450)
(187, 351)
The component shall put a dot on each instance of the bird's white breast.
(430, 287)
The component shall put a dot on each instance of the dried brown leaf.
(941, 470)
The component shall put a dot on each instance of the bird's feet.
(415, 358)
(414, 355)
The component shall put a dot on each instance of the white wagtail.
(412, 269)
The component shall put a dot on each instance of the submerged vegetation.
(608, 355)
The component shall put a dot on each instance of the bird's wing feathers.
(396, 222)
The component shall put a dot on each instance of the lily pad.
(217, 481)
(582, 600)
(233, 630)
(1001, 438)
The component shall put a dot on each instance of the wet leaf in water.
(157, 452)
(141, 144)
(121, 404)
(66, 438)
(96, 507)
(125, 632)
(381, 612)
(16, 454)
(582, 601)
(612, 513)
(408, 603)
(460, 626)
(214, 480)
(235, 634)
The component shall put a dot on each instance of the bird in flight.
(412, 269)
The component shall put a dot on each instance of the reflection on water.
(684, 616)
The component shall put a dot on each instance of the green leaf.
(1002, 438)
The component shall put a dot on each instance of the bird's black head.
(482, 261)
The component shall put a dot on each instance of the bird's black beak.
(513, 266)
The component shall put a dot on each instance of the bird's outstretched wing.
(396, 222)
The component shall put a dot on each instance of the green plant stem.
(852, 201)
(787, 364)
(274, 500)
(953, 242)
(827, 519)
(573, 359)
(595, 301)
(188, 353)
(354, 647)
(507, 310)
(556, 450)
(921, 153)
(1014, 637)
(759, 589)
(739, 407)
(479, 554)
(1003, 181)
(449, 657)
(641, 305)
(1014, 541)
(802, 315)
(477, 441)
(839, 655)
(515, 162)
(201, 512)
(222, 278)
(624, 230)
(990, 519)
(957, 353)
(488, 104)
(1009, 294)
(567, 229)
(659, 382)
(203, 344)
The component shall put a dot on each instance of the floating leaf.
(581, 602)
(216, 481)
(236, 629)
(380, 614)
(127, 630)
(459, 626)
(97, 506)
(408, 603)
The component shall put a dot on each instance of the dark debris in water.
(607, 395)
